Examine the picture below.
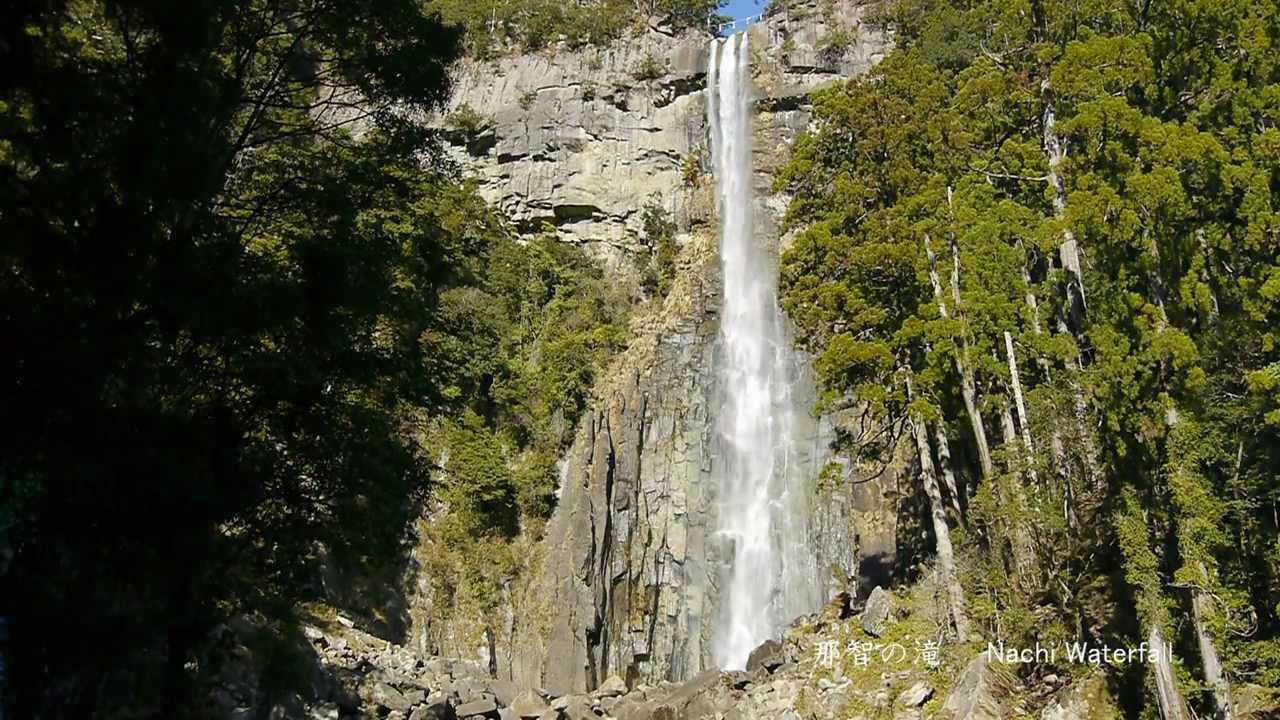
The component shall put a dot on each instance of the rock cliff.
(582, 141)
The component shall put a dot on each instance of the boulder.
(612, 687)
(483, 707)
(878, 612)
(768, 656)
(916, 695)
(702, 696)
(529, 704)
(504, 691)
(436, 707)
(578, 709)
(385, 696)
(974, 695)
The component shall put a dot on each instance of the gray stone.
(578, 709)
(973, 697)
(529, 704)
(504, 691)
(383, 695)
(481, 707)
(612, 686)
(878, 612)
(436, 707)
(916, 695)
(768, 657)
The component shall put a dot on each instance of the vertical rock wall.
(583, 140)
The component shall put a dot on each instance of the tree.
(1101, 180)
(219, 293)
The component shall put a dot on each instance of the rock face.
(583, 142)
(584, 139)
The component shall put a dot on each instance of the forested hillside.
(1040, 242)
(247, 315)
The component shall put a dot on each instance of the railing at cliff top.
(733, 25)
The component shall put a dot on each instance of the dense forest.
(248, 302)
(1040, 241)
(257, 323)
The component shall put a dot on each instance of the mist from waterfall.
(763, 509)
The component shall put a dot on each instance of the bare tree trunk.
(1214, 674)
(948, 477)
(968, 386)
(941, 532)
(1172, 706)
(1017, 392)
(1055, 437)
(1068, 250)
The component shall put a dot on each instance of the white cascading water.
(771, 574)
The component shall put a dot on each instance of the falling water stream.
(770, 575)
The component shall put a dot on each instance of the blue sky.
(743, 8)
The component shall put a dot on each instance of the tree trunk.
(941, 533)
(1068, 250)
(948, 477)
(968, 386)
(1211, 664)
(1055, 437)
(1206, 273)
(1172, 706)
(1017, 392)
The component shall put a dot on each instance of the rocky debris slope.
(827, 667)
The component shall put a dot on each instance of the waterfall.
(763, 505)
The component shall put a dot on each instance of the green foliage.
(496, 26)
(1153, 410)
(223, 295)
(835, 43)
(477, 481)
(467, 120)
(648, 68)
(658, 267)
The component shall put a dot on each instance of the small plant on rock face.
(649, 68)
(692, 170)
(466, 119)
(595, 62)
(527, 98)
(835, 44)
(589, 91)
